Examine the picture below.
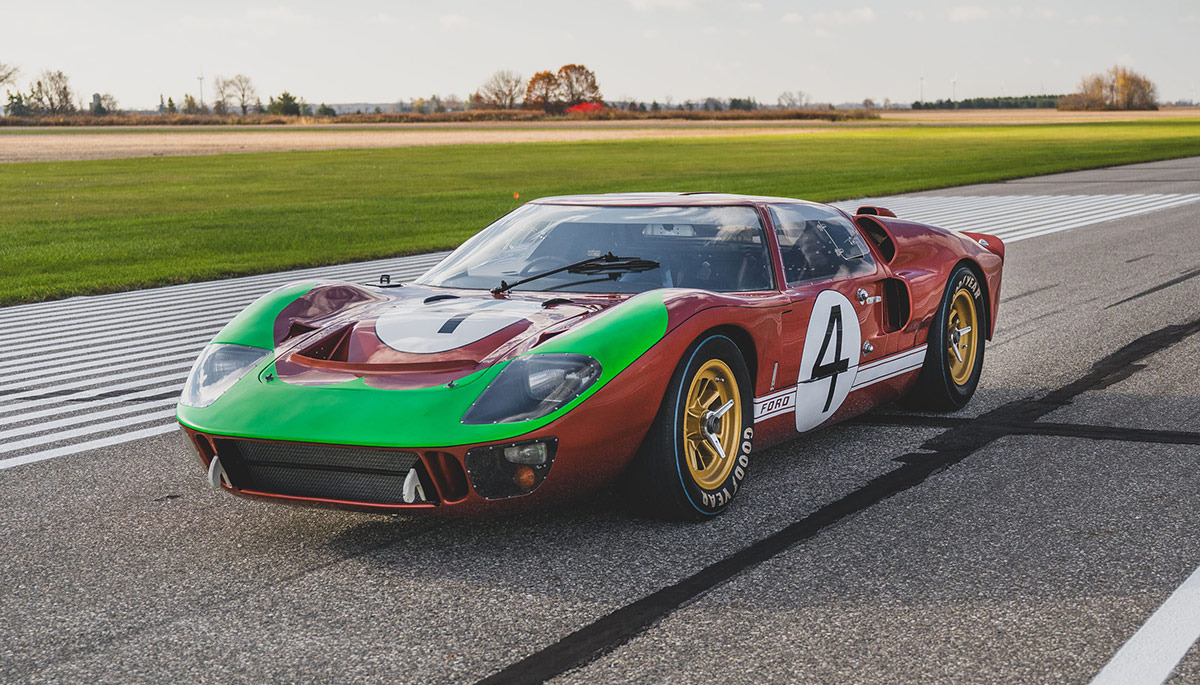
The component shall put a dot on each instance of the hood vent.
(333, 347)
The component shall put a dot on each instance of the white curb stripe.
(1151, 655)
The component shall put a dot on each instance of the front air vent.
(333, 472)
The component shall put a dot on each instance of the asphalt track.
(1048, 532)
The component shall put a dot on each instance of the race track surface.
(1049, 532)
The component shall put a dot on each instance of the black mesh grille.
(357, 474)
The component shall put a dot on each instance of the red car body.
(597, 440)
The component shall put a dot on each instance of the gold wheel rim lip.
(713, 378)
(963, 314)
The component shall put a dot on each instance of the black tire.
(659, 482)
(936, 388)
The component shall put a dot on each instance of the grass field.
(70, 228)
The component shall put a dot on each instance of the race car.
(646, 340)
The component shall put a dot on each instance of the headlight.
(217, 369)
(533, 386)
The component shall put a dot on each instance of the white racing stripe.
(91, 363)
(1151, 655)
(782, 401)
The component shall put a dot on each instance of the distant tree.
(52, 94)
(8, 74)
(1117, 88)
(224, 95)
(744, 104)
(258, 106)
(453, 103)
(162, 104)
(171, 108)
(502, 91)
(543, 92)
(793, 99)
(868, 104)
(379, 110)
(286, 104)
(654, 106)
(326, 111)
(576, 84)
(238, 90)
(17, 107)
(190, 106)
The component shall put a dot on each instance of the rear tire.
(679, 472)
(954, 355)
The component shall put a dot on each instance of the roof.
(653, 199)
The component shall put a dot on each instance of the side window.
(817, 243)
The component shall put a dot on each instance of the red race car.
(654, 338)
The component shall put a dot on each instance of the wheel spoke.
(954, 349)
(724, 408)
(716, 445)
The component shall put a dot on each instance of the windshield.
(711, 248)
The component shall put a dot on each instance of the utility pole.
(200, 78)
(922, 100)
(954, 88)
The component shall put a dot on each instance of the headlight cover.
(533, 386)
(217, 369)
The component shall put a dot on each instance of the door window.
(818, 244)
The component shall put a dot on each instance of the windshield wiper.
(609, 264)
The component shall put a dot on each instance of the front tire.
(954, 355)
(696, 454)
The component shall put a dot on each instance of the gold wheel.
(711, 424)
(962, 336)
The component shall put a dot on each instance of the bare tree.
(793, 99)
(225, 93)
(239, 89)
(8, 74)
(502, 91)
(52, 94)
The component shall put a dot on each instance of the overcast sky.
(375, 51)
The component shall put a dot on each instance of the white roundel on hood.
(448, 324)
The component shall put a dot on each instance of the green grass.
(86, 227)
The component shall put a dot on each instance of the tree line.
(1005, 102)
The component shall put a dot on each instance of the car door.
(835, 322)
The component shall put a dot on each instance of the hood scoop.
(333, 347)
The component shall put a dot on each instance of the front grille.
(356, 474)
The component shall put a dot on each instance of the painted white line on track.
(91, 394)
(92, 429)
(44, 426)
(126, 353)
(41, 393)
(161, 392)
(89, 364)
(85, 446)
(1152, 654)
